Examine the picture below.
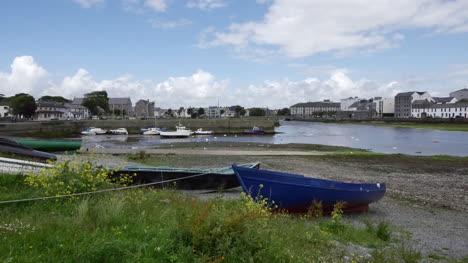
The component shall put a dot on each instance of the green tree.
(181, 109)
(194, 115)
(221, 112)
(201, 111)
(190, 110)
(240, 111)
(54, 98)
(257, 112)
(284, 112)
(23, 104)
(96, 99)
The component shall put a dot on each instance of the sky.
(254, 53)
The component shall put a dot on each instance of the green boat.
(51, 146)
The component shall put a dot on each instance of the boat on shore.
(297, 193)
(13, 148)
(180, 132)
(93, 131)
(184, 178)
(151, 131)
(119, 131)
(51, 146)
(254, 130)
(200, 131)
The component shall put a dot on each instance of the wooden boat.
(13, 148)
(255, 130)
(51, 146)
(199, 179)
(297, 193)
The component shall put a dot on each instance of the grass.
(147, 225)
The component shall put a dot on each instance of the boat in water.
(180, 132)
(13, 148)
(200, 131)
(93, 131)
(119, 131)
(183, 178)
(87, 131)
(297, 193)
(254, 130)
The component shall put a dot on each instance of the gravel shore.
(426, 197)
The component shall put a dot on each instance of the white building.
(346, 103)
(460, 94)
(4, 109)
(48, 110)
(314, 109)
(78, 112)
(404, 102)
(430, 110)
(384, 106)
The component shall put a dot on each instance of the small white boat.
(181, 131)
(151, 131)
(119, 131)
(88, 132)
(98, 131)
(202, 132)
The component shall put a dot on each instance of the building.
(404, 101)
(78, 112)
(460, 94)
(345, 103)
(117, 106)
(314, 109)
(428, 109)
(144, 109)
(384, 107)
(50, 110)
(444, 100)
(4, 109)
(213, 112)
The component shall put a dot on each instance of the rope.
(100, 191)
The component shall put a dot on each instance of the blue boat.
(255, 130)
(297, 193)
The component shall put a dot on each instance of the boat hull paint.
(11, 147)
(212, 179)
(297, 193)
(51, 146)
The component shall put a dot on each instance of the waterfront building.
(404, 101)
(444, 100)
(144, 109)
(117, 106)
(4, 109)
(314, 109)
(428, 109)
(384, 107)
(460, 94)
(51, 110)
(77, 112)
(346, 103)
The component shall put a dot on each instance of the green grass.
(147, 225)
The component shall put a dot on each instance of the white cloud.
(299, 28)
(25, 76)
(169, 24)
(203, 89)
(89, 3)
(156, 5)
(206, 4)
(140, 6)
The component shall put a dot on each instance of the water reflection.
(374, 138)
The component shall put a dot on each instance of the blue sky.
(254, 53)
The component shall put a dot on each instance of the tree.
(181, 109)
(284, 112)
(194, 115)
(201, 111)
(190, 110)
(238, 110)
(96, 99)
(221, 112)
(242, 112)
(23, 104)
(54, 98)
(257, 112)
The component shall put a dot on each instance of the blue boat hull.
(297, 193)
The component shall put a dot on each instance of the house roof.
(317, 104)
(51, 104)
(442, 99)
(451, 105)
(421, 102)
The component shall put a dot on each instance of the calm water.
(376, 139)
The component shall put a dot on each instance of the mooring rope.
(101, 191)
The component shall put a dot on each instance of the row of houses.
(413, 104)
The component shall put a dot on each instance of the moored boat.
(185, 178)
(151, 131)
(254, 130)
(119, 131)
(180, 132)
(297, 193)
(98, 131)
(13, 148)
(87, 131)
(200, 131)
